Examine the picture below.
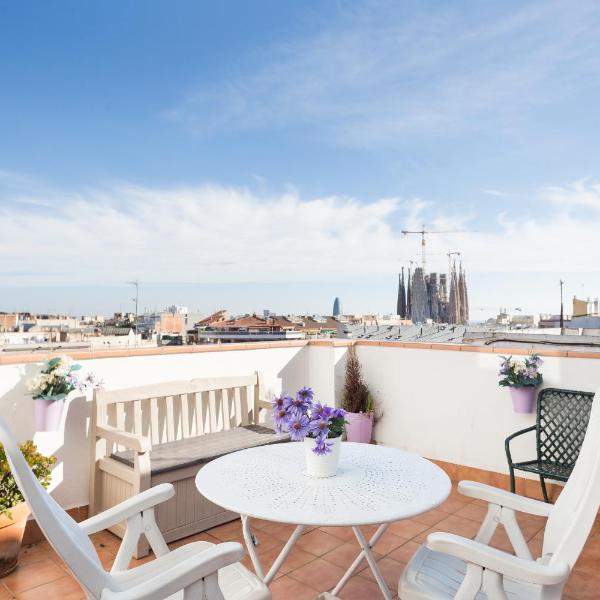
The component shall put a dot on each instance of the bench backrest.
(176, 410)
(562, 420)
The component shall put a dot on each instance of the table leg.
(366, 548)
(250, 544)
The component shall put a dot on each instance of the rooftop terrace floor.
(319, 559)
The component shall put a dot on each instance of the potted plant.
(51, 387)
(522, 377)
(319, 426)
(13, 510)
(357, 401)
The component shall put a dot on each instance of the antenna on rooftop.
(136, 283)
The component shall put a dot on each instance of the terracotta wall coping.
(18, 358)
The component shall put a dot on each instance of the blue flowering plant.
(520, 373)
(302, 417)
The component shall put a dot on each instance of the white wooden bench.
(164, 433)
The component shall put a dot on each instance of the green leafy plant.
(10, 494)
(356, 397)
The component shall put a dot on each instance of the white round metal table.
(373, 485)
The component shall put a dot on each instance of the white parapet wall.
(442, 403)
(446, 404)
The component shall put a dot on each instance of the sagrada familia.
(426, 296)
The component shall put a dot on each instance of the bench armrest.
(129, 440)
(126, 509)
(498, 561)
(494, 495)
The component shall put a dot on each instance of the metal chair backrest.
(61, 531)
(575, 510)
(562, 420)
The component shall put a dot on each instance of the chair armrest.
(520, 432)
(129, 440)
(128, 508)
(498, 561)
(178, 576)
(494, 495)
(512, 437)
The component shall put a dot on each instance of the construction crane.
(423, 232)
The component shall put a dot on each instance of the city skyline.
(274, 153)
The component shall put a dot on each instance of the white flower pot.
(322, 466)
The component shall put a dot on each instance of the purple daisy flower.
(280, 419)
(319, 427)
(297, 426)
(322, 446)
(278, 402)
(323, 411)
(297, 405)
(306, 394)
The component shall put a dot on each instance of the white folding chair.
(450, 566)
(196, 571)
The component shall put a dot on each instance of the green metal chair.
(561, 423)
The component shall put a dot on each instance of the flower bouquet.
(318, 425)
(522, 377)
(51, 386)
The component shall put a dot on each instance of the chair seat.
(236, 582)
(560, 472)
(204, 448)
(432, 575)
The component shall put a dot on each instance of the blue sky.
(267, 154)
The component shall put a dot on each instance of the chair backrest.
(575, 510)
(562, 420)
(171, 411)
(61, 531)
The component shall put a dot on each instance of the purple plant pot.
(48, 414)
(523, 398)
(359, 427)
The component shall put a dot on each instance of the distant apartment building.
(247, 328)
(9, 321)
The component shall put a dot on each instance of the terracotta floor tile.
(65, 588)
(4, 593)
(32, 575)
(453, 504)
(388, 542)
(405, 552)
(390, 569)
(227, 531)
(325, 573)
(343, 533)
(473, 511)
(288, 588)
(407, 529)
(318, 542)
(296, 558)
(431, 518)
(344, 555)
(280, 531)
(452, 524)
(360, 588)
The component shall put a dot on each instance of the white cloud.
(382, 70)
(222, 234)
